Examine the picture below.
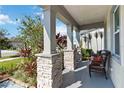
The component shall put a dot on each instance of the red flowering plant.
(61, 41)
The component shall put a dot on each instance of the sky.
(9, 14)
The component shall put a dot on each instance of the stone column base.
(49, 70)
(70, 59)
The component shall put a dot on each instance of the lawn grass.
(7, 66)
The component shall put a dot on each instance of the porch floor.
(80, 78)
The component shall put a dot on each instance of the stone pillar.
(69, 54)
(70, 59)
(49, 63)
(49, 71)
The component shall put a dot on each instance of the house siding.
(117, 64)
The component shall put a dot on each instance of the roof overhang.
(82, 16)
(88, 14)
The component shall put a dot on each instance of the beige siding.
(117, 67)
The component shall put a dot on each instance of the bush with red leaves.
(61, 40)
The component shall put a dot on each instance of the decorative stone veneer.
(70, 59)
(49, 71)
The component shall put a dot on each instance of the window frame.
(116, 32)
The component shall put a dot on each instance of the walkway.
(8, 59)
(80, 78)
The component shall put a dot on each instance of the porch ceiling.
(87, 14)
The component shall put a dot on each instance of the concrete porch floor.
(80, 78)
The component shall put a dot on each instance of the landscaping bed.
(20, 71)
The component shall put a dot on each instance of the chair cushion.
(97, 58)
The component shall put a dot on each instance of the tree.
(31, 34)
(101, 36)
(89, 38)
(96, 36)
(4, 41)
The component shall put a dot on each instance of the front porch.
(49, 70)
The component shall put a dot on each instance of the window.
(116, 31)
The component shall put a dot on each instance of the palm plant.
(96, 36)
(89, 38)
(101, 36)
(85, 40)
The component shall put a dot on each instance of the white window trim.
(116, 31)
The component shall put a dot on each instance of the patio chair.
(99, 61)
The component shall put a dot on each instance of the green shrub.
(86, 53)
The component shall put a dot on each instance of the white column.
(69, 37)
(78, 38)
(49, 23)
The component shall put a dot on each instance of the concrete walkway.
(80, 78)
(8, 59)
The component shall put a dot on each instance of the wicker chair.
(99, 65)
